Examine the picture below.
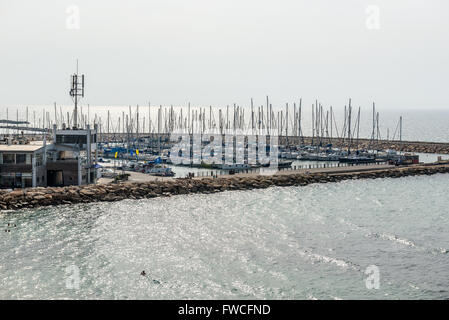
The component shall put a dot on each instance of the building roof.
(31, 147)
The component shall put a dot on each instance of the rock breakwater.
(37, 197)
(404, 146)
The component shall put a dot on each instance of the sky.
(219, 52)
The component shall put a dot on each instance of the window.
(71, 139)
(27, 182)
(21, 158)
(38, 160)
(7, 181)
(9, 158)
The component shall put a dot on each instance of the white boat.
(108, 173)
(159, 170)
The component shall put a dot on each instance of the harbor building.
(69, 159)
(22, 165)
(72, 157)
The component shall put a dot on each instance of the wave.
(392, 237)
(384, 236)
(314, 257)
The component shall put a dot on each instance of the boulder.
(87, 192)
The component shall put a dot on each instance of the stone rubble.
(37, 197)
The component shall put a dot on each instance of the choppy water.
(278, 243)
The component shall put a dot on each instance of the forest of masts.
(256, 120)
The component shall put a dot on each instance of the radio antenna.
(76, 91)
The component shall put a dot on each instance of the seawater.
(312, 242)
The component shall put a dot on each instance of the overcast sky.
(216, 52)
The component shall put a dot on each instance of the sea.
(356, 239)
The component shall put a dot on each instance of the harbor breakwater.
(37, 197)
(362, 143)
(404, 146)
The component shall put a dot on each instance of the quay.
(40, 196)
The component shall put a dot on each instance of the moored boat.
(160, 170)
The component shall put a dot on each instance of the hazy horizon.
(208, 52)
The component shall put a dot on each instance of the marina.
(224, 156)
(219, 140)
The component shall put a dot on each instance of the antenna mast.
(76, 90)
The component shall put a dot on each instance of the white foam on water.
(394, 238)
(411, 285)
(384, 236)
(314, 257)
